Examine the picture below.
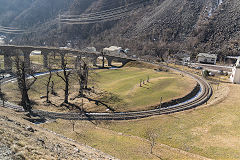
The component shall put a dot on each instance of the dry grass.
(40, 144)
(120, 145)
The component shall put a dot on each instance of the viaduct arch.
(9, 51)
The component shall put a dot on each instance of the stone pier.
(7, 62)
(109, 61)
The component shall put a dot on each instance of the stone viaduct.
(9, 51)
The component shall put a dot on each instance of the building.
(231, 60)
(235, 77)
(207, 58)
(183, 58)
(114, 50)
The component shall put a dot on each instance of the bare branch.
(60, 76)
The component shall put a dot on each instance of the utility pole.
(160, 103)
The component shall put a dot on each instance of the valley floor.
(210, 131)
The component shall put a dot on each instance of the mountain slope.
(153, 26)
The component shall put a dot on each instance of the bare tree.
(52, 89)
(65, 76)
(151, 135)
(82, 71)
(48, 84)
(24, 83)
(73, 122)
(49, 80)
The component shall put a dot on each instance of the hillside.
(21, 139)
(149, 27)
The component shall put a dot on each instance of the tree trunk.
(66, 91)
(86, 78)
(151, 150)
(48, 85)
(81, 88)
(25, 102)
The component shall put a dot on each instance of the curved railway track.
(202, 97)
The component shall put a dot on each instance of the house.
(235, 77)
(207, 58)
(114, 50)
(183, 58)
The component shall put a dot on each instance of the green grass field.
(125, 83)
(121, 85)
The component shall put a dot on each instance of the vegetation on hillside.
(155, 28)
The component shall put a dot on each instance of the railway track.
(201, 98)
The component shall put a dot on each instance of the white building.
(235, 77)
(114, 50)
(207, 58)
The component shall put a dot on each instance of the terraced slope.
(148, 27)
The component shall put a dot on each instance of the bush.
(205, 73)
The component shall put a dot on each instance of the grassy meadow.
(119, 89)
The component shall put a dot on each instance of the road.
(213, 67)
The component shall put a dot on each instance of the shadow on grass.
(71, 106)
(97, 102)
(157, 156)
